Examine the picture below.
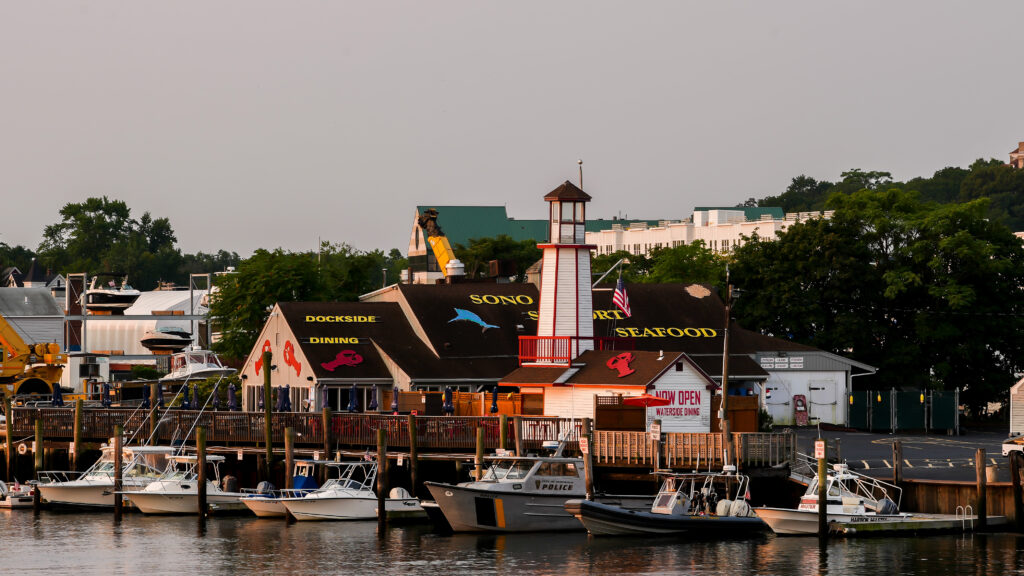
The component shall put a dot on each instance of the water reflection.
(93, 544)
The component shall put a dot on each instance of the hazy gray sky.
(256, 124)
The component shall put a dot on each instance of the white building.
(721, 229)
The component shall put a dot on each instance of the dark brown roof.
(567, 191)
(539, 375)
(591, 368)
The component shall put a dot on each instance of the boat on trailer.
(711, 504)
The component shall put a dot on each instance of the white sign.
(71, 448)
(241, 454)
(655, 431)
(316, 455)
(584, 445)
(400, 460)
(819, 449)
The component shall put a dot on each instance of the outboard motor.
(264, 487)
(887, 506)
(230, 484)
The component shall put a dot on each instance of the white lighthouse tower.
(565, 323)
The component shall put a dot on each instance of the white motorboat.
(110, 292)
(521, 494)
(702, 505)
(195, 364)
(265, 500)
(856, 503)
(166, 338)
(95, 486)
(15, 495)
(176, 491)
(349, 496)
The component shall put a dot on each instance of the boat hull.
(13, 500)
(265, 507)
(88, 494)
(185, 502)
(332, 508)
(607, 520)
(473, 510)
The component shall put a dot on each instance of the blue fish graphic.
(468, 316)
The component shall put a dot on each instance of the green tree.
(635, 267)
(688, 264)
(16, 256)
(802, 195)
(477, 256)
(930, 294)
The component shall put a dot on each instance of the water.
(89, 543)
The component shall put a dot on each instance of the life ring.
(22, 449)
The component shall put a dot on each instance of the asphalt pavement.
(925, 456)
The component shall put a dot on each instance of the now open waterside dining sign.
(688, 408)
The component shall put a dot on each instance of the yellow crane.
(437, 240)
(28, 368)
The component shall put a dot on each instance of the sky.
(255, 124)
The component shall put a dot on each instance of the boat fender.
(22, 449)
(724, 506)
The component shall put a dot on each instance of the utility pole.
(724, 408)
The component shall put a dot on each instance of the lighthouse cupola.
(567, 211)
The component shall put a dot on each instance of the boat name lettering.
(312, 318)
(506, 300)
(330, 340)
(662, 332)
(555, 486)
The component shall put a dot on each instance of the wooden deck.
(433, 433)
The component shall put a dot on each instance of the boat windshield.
(509, 470)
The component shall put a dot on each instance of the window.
(567, 208)
(558, 469)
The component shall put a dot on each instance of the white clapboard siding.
(1017, 408)
(578, 401)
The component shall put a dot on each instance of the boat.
(521, 494)
(856, 503)
(15, 495)
(95, 486)
(265, 500)
(348, 496)
(168, 338)
(110, 292)
(195, 364)
(176, 491)
(712, 504)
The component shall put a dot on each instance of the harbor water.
(90, 543)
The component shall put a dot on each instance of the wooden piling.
(822, 495)
(503, 432)
(77, 447)
(478, 460)
(588, 461)
(897, 462)
(414, 459)
(979, 469)
(1018, 502)
(382, 479)
(39, 447)
(326, 423)
(268, 399)
(10, 438)
(517, 424)
(201, 468)
(289, 457)
(118, 473)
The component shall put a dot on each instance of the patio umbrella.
(259, 398)
(159, 395)
(216, 397)
(494, 400)
(186, 399)
(58, 396)
(372, 406)
(279, 401)
(448, 407)
(646, 401)
(286, 401)
(145, 403)
(232, 398)
(105, 400)
(394, 400)
(327, 396)
(353, 404)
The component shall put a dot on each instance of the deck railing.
(443, 433)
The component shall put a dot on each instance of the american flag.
(620, 298)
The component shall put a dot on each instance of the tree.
(930, 294)
(688, 264)
(18, 256)
(477, 256)
(802, 195)
(634, 269)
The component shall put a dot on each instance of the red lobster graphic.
(290, 359)
(621, 363)
(259, 360)
(344, 358)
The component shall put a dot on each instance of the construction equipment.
(440, 245)
(28, 368)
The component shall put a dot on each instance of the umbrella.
(373, 399)
(394, 400)
(232, 398)
(327, 397)
(646, 401)
(159, 395)
(353, 404)
(259, 398)
(145, 403)
(279, 403)
(105, 400)
(286, 402)
(186, 400)
(216, 396)
(494, 400)
(58, 396)
(448, 407)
